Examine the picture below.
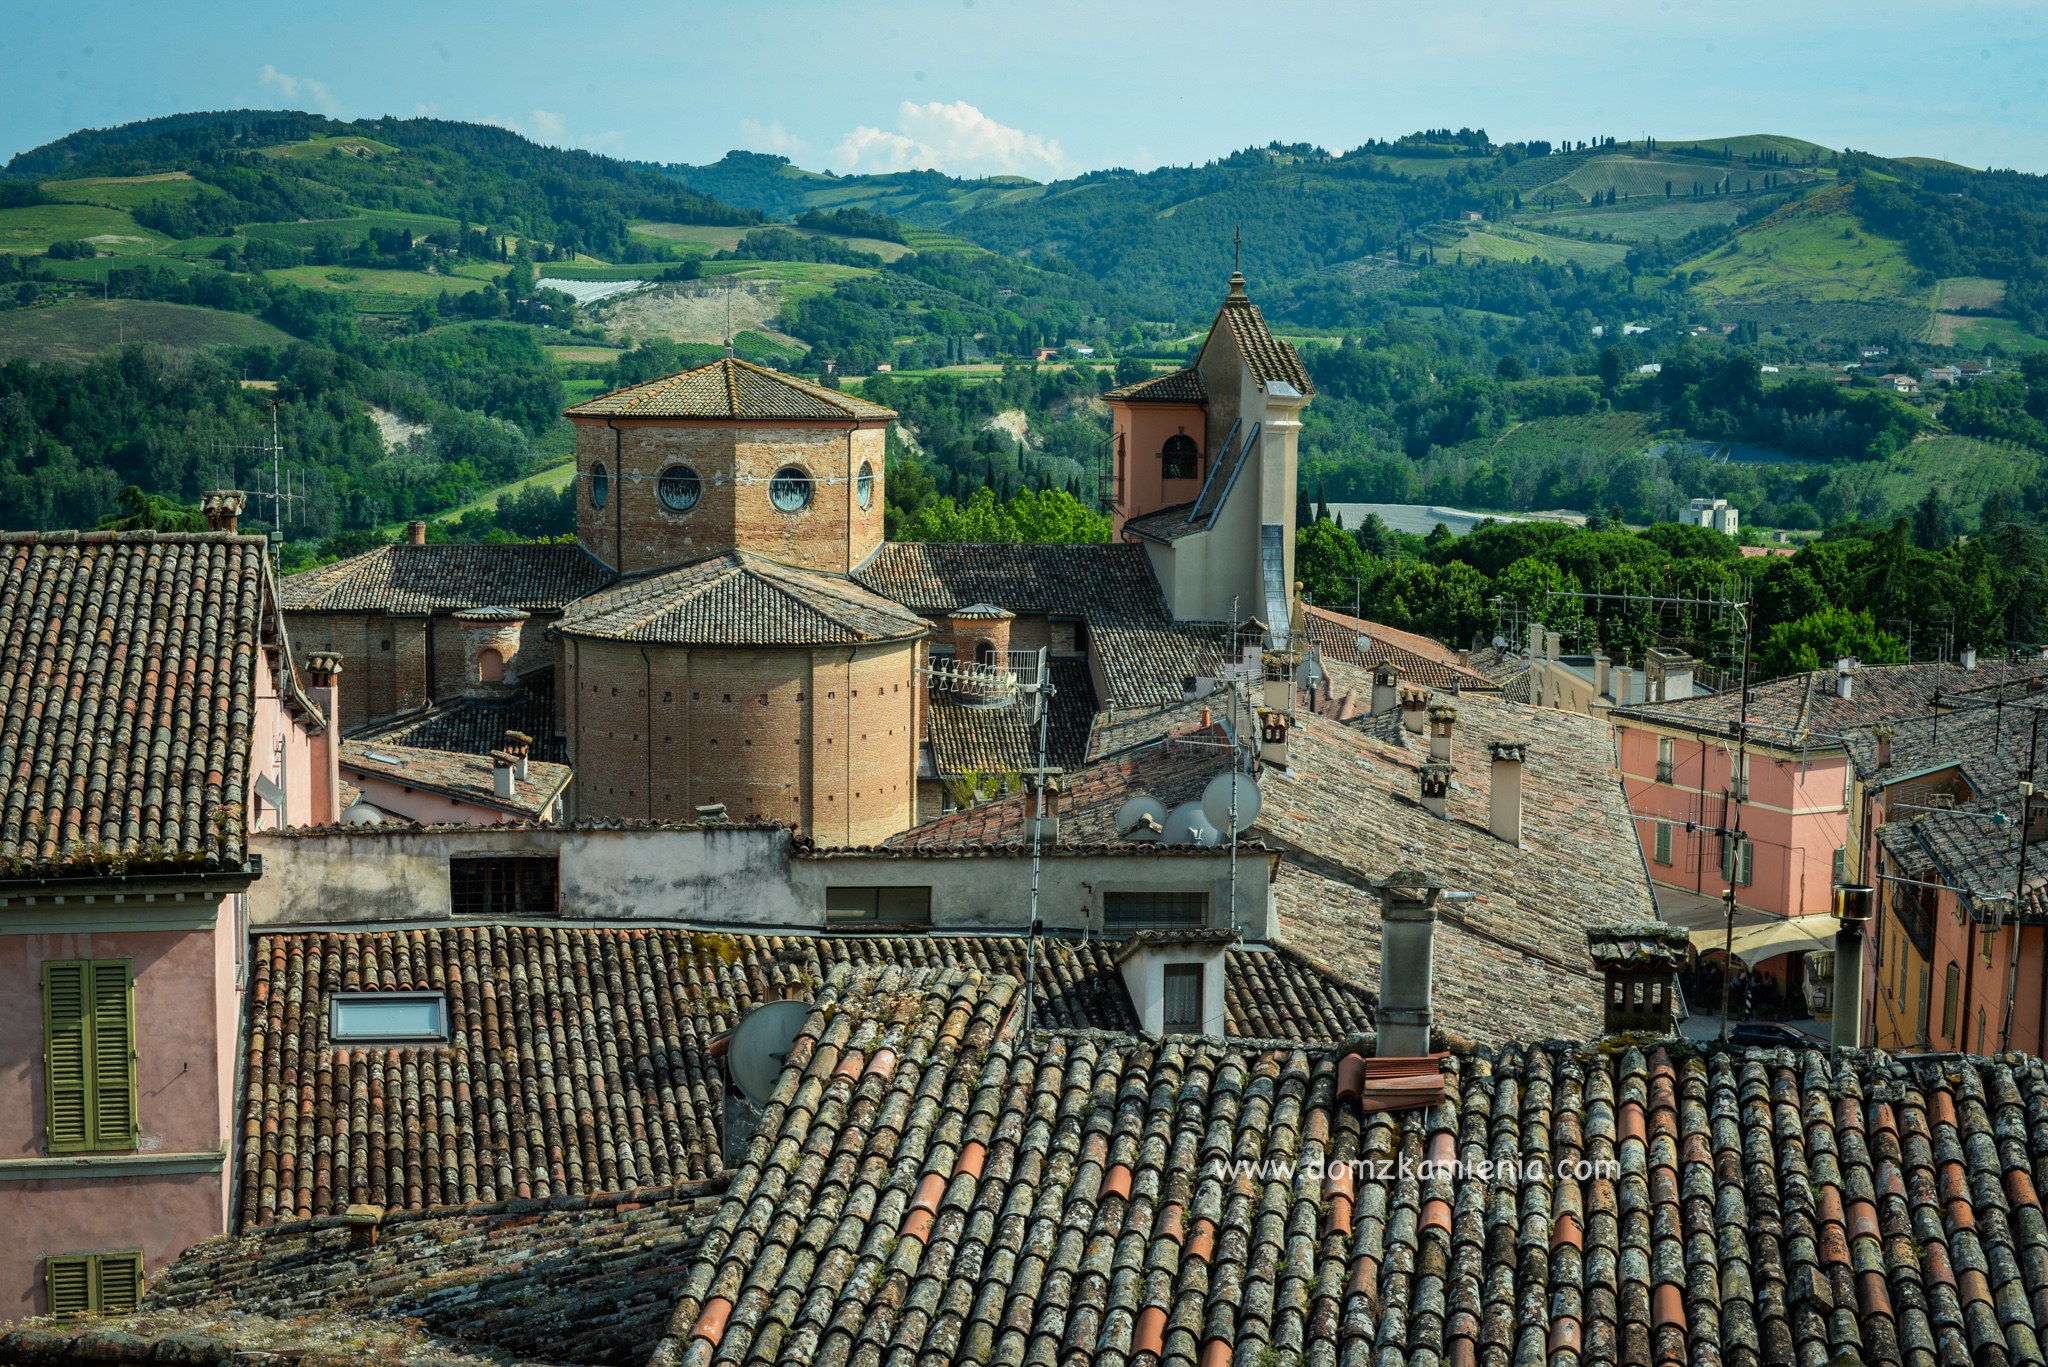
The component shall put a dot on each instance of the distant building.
(1901, 384)
(1650, 368)
(1938, 374)
(1473, 216)
(1717, 513)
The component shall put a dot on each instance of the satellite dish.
(761, 1045)
(1364, 643)
(1187, 824)
(1132, 816)
(1216, 801)
(1500, 643)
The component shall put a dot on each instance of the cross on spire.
(1236, 247)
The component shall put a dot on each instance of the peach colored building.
(150, 719)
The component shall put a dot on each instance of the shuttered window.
(94, 1283)
(1663, 854)
(89, 1054)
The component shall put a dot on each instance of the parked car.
(1769, 1035)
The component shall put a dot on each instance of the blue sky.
(1050, 87)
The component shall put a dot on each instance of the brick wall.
(733, 463)
(812, 738)
(383, 659)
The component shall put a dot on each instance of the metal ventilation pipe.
(1853, 903)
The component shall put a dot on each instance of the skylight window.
(388, 1018)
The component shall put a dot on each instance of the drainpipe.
(647, 694)
(618, 496)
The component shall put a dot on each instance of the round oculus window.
(864, 487)
(600, 486)
(790, 490)
(679, 488)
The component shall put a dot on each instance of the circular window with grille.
(790, 490)
(600, 486)
(865, 486)
(679, 488)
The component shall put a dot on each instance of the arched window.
(985, 654)
(600, 486)
(490, 666)
(865, 486)
(1179, 458)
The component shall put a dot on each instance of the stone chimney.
(1969, 660)
(1436, 787)
(1386, 687)
(1638, 963)
(1624, 682)
(1845, 678)
(223, 509)
(490, 646)
(1414, 709)
(1552, 642)
(1882, 734)
(1600, 667)
(415, 533)
(1407, 925)
(519, 745)
(1504, 804)
(323, 688)
(1442, 717)
(1667, 675)
(1044, 810)
(711, 813)
(503, 769)
(1535, 640)
(981, 637)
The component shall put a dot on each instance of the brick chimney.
(1414, 709)
(1442, 717)
(1407, 926)
(1436, 787)
(504, 768)
(1504, 804)
(519, 745)
(223, 509)
(1638, 963)
(1882, 734)
(981, 637)
(490, 648)
(415, 533)
(323, 689)
(1386, 687)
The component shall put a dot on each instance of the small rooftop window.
(388, 1018)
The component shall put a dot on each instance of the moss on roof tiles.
(731, 389)
(414, 580)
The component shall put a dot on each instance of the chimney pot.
(1436, 787)
(1443, 717)
(1552, 643)
(223, 509)
(1414, 709)
(1845, 678)
(1969, 658)
(710, 813)
(415, 533)
(1882, 734)
(1386, 688)
(1504, 804)
(1407, 926)
(502, 773)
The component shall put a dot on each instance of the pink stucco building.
(150, 718)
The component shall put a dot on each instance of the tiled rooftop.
(454, 774)
(1806, 705)
(1967, 847)
(1147, 664)
(1096, 583)
(1175, 386)
(1268, 358)
(477, 726)
(127, 688)
(729, 388)
(1166, 524)
(415, 581)
(577, 1058)
(1074, 1198)
(739, 599)
(1422, 662)
(1004, 739)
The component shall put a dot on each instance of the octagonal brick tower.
(729, 456)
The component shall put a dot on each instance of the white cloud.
(297, 87)
(772, 137)
(547, 127)
(956, 138)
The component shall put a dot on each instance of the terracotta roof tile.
(1423, 662)
(127, 696)
(455, 774)
(1002, 739)
(477, 726)
(1806, 704)
(1176, 386)
(1268, 358)
(729, 388)
(1088, 582)
(418, 580)
(739, 599)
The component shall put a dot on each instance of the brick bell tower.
(729, 456)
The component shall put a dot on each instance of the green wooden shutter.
(67, 1049)
(120, 1283)
(113, 1056)
(70, 1284)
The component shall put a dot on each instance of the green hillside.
(77, 330)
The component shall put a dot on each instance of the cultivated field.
(76, 330)
(128, 192)
(33, 228)
(1809, 251)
